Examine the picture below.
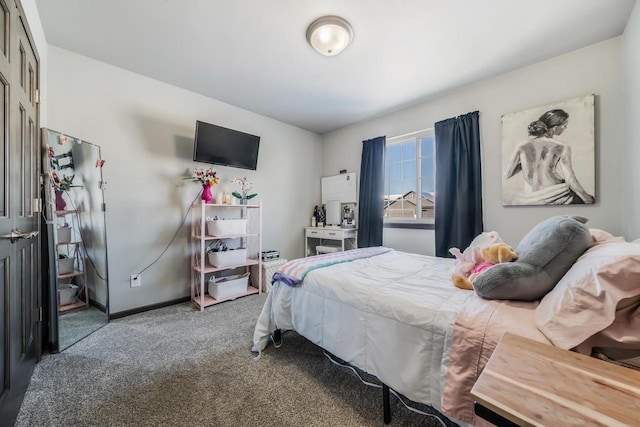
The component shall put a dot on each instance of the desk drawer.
(320, 233)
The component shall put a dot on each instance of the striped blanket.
(293, 272)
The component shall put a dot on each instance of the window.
(409, 183)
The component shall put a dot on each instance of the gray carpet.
(176, 366)
(77, 324)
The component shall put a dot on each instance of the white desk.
(345, 238)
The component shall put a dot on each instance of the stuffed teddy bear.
(467, 260)
(492, 255)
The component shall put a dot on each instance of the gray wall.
(592, 70)
(146, 130)
(631, 79)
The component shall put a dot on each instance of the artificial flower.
(61, 184)
(205, 176)
(245, 186)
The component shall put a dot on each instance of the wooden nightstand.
(528, 383)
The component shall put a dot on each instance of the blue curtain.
(371, 199)
(458, 183)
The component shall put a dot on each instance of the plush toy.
(492, 255)
(467, 260)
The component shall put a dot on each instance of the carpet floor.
(75, 325)
(176, 366)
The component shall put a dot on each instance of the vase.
(206, 197)
(244, 201)
(60, 203)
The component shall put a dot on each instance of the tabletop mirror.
(78, 287)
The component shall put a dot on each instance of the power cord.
(148, 266)
(52, 220)
(154, 261)
(173, 238)
(83, 242)
(335, 362)
(417, 411)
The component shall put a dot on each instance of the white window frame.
(415, 136)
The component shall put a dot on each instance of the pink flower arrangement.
(205, 176)
(61, 184)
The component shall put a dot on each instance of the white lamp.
(329, 35)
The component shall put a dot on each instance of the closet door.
(20, 328)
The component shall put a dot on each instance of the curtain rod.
(411, 133)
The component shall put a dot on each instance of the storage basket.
(64, 234)
(227, 258)
(227, 227)
(269, 268)
(228, 287)
(65, 265)
(67, 294)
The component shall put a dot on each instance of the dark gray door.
(20, 299)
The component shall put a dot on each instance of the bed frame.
(386, 404)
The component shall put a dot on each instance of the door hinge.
(36, 205)
(37, 96)
(40, 315)
(104, 207)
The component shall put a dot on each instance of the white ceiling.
(253, 53)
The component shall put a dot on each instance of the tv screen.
(226, 147)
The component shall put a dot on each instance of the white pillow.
(606, 278)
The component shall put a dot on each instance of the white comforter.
(391, 315)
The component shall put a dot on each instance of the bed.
(397, 316)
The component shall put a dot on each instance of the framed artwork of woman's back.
(548, 154)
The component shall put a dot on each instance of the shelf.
(209, 300)
(73, 306)
(216, 205)
(67, 247)
(212, 269)
(229, 236)
(66, 276)
(200, 239)
(68, 243)
(66, 212)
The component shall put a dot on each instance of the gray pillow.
(545, 254)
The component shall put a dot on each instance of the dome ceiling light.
(329, 35)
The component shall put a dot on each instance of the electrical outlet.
(135, 280)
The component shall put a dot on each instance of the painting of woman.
(540, 168)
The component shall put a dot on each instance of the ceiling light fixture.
(329, 35)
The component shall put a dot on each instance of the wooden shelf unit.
(74, 248)
(209, 300)
(201, 270)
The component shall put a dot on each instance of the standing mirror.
(78, 288)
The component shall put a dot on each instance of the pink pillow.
(600, 236)
(602, 282)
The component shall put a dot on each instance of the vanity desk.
(335, 238)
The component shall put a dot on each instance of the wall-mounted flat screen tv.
(226, 147)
